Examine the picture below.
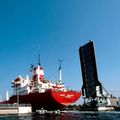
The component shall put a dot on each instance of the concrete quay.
(15, 109)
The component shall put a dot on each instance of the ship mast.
(39, 60)
(60, 72)
(7, 95)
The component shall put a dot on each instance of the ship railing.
(14, 105)
(65, 90)
(24, 105)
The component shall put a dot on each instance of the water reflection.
(81, 116)
(64, 116)
(67, 116)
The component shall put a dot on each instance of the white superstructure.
(23, 86)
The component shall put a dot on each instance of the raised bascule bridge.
(95, 95)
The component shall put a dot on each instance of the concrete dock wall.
(8, 111)
(15, 109)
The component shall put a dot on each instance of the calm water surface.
(68, 116)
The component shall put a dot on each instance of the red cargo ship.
(42, 93)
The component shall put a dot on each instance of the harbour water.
(112, 115)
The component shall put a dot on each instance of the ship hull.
(50, 100)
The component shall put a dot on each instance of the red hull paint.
(50, 100)
(66, 98)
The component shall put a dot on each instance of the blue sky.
(55, 29)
